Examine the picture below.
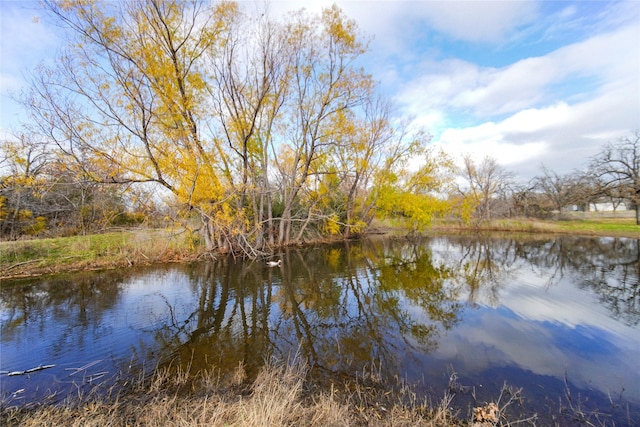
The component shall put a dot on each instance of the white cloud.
(476, 21)
(533, 120)
(539, 110)
(471, 20)
(561, 136)
(396, 26)
(488, 140)
(489, 92)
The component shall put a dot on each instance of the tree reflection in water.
(609, 267)
(341, 307)
(78, 304)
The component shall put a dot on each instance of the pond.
(558, 317)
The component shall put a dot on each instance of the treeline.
(267, 131)
(40, 195)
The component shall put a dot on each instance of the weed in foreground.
(279, 396)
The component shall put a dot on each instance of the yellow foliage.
(25, 214)
(38, 226)
(467, 207)
(358, 226)
(288, 120)
(3, 207)
(332, 224)
(415, 197)
(339, 27)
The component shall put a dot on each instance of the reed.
(96, 251)
(279, 396)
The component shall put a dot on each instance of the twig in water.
(83, 368)
(28, 371)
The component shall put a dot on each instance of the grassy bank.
(96, 251)
(622, 226)
(281, 395)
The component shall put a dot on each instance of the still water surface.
(558, 317)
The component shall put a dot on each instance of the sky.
(528, 83)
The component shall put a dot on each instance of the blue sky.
(525, 82)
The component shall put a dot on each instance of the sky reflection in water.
(552, 327)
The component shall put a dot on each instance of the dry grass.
(590, 225)
(96, 251)
(279, 396)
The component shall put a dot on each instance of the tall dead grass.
(279, 396)
(114, 249)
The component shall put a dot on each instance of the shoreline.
(24, 259)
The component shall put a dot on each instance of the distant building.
(608, 205)
(603, 205)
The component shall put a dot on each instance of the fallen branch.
(29, 371)
(18, 264)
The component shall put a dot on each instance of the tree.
(618, 167)
(368, 146)
(249, 123)
(179, 94)
(485, 187)
(128, 100)
(43, 194)
(248, 89)
(25, 160)
(587, 189)
(416, 194)
(325, 86)
(560, 191)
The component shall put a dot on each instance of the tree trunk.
(350, 206)
(207, 232)
(270, 227)
(283, 236)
